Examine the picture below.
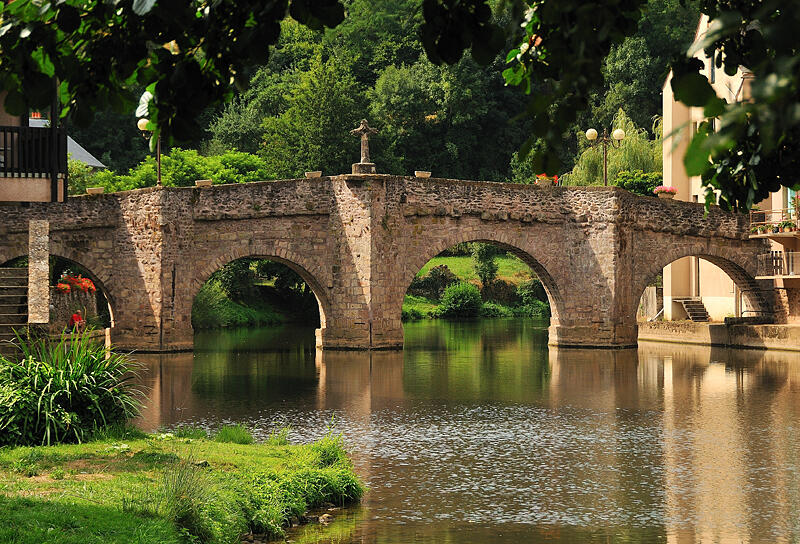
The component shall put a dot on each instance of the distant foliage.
(213, 308)
(63, 391)
(460, 300)
(235, 278)
(484, 263)
(639, 182)
(490, 309)
(536, 309)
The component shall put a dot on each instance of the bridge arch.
(739, 264)
(307, 270)
(519, 246)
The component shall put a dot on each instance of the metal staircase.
(13, 305)
(695, 308)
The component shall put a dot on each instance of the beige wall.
(691, 276)
(28, 189)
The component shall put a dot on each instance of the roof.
(75, 150)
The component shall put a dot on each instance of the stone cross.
(364, 130)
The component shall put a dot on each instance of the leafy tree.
(313, 133)
(113, 138)
(484, 263)
(636, 152)
(187, 53)
(635, 70)
(754, 147)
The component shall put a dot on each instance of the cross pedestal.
(364, 166)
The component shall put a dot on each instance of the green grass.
(213, 309)
(510, 269)
(164, 489)
(421, 305)
(234, 434)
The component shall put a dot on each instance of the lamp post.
(141, 124)
(615, 141)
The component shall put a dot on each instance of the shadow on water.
(477, 432)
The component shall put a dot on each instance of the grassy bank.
(137, 488)
(213, 309)
(509, 268)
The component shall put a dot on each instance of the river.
(478, 433)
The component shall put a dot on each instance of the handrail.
(28, 151)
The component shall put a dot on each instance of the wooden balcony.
(33, 164)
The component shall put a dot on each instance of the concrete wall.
(785, 337)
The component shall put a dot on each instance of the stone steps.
(695, 309)
(13, 306)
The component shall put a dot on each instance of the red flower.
(63, 287)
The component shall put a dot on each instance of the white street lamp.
(614, 141)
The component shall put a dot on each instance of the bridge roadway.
(358, 241)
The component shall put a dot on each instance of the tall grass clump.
(234, 434)
(276, 497)
(63, 391)
(279, 437)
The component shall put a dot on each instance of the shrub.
(411, 314)
(639, 182)
(500, 291)
(531, 291)
(484, 263)
(63, 391)
(460, 300)
(491, 309)
(235, 434)
(433, 284)
(536, 309)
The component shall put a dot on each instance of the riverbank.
(213, 309)
(167, 488)
(783, 337)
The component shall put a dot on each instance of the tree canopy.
(192, 54)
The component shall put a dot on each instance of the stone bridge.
(358, 241)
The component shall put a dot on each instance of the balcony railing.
(779, 263)
(32, 152)
(764, 222)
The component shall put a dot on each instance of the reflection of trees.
(498, 360)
